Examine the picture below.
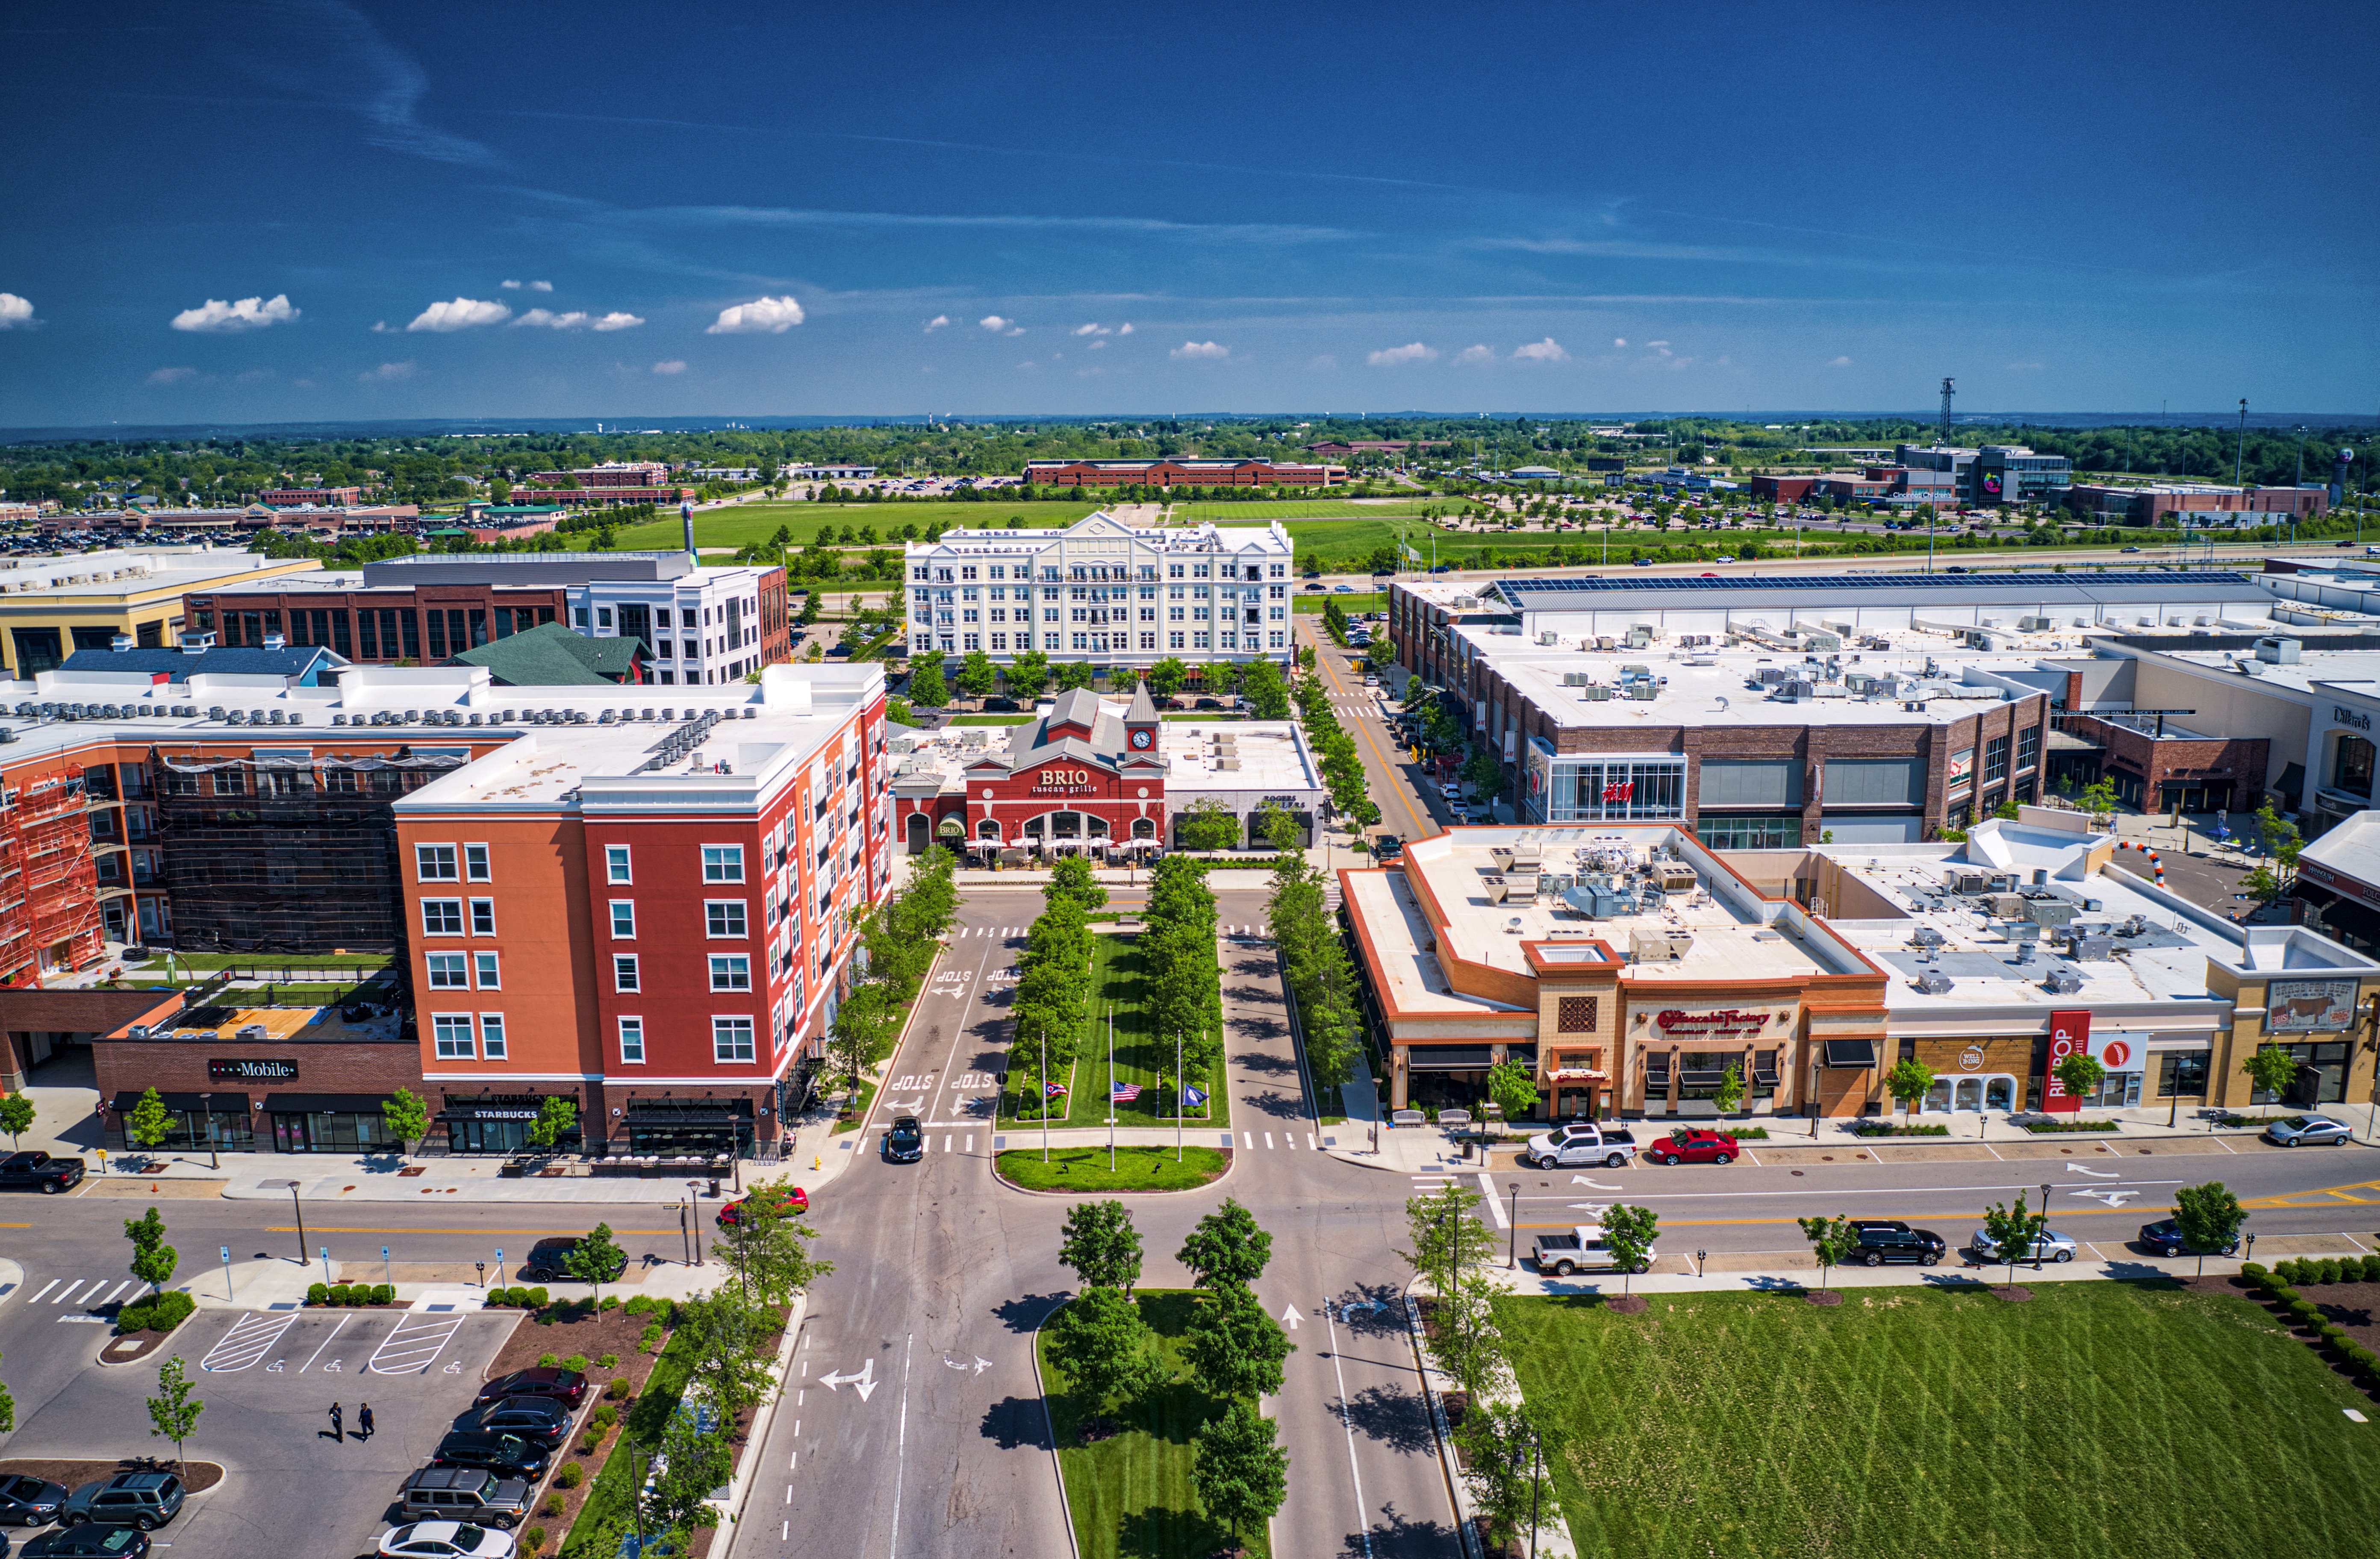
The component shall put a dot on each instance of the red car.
(796, 1201)
(1693, 1145)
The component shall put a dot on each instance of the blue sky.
(315, 209)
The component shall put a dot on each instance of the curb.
(1441, 1434)
(1050, 1430)
(765, 1419)
(1231, 1162)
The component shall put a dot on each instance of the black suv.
(39, 1171)
(547, 1258)
(507, 1453)
(905, 1143)
(2165, 1239)
(1886, 1239)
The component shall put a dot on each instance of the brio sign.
(1064, 783)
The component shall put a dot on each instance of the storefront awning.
(2314, 894)
(1851, 1053)
(233, 1099)
(1578, 1074)
(2359, 921)
(1446, 1057)
(323, 1104)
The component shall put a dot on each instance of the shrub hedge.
(158, 1312)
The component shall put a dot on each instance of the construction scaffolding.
(49, 885)
(293, 854)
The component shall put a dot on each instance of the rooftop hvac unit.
(750, 713)
(1934, 983)
(1226, 763)
(1643, 691)
(1550, 638)
(1926, 936)
(1664, 946)
(1640, 636)
(2277, 651)
(253, 1032)
(2034, 624)
(2087, 949)
(2063, 982)
(1598, 693)
(1577, 679)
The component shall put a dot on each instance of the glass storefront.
(2322, 1077)
(342, 1123)
(712, 1127)
(1764, 832)
(197, 1123)
(499, 1123)
(1608, 789)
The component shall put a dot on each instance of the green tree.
(1273, 824)
(1729, 1097)
(1504, 1452)
(1106, 1350)
(727, 1341)
(1513, 1086)
(1447, 1240)
(1832, 1240)
(153, 1261)
(2081, 1073)
(1227, 1247)
(976, 675)
(1074, 674)
(1070, 876)
(1027, 675)
(1486, 775)
(2014, 1232)
(7, 1410)
(1908, 1082)
(2210, 1218)
(1100, 1245)
(1267, 694)
(2281, 841)
(150, 1123)
(692, 1464)
(1628, 1232)
(1233, 1349)
(407, 1117)
(16, 1114)
(2262, 884)
(769, 1246)
(174, 1411)
(2273, 1069)
(1240, 1473)
(1168, 677)
(2099, 799)
(557, 1117)
(865, 1025)
(809, 613)
(927, 689)
(596, 1259)
(1208, 823)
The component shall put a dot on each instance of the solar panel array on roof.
(2163, 579)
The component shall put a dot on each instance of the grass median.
(1141, 1057)
(1137, 1167)
(1130, 1495)
(2100, 1421)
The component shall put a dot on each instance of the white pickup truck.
(1582, 1142)
(1581, 1250)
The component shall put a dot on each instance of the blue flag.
(1193, 1096)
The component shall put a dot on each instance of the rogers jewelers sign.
(1710, 1025)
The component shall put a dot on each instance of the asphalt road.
(1410, 805)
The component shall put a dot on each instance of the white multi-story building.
(1105, 591)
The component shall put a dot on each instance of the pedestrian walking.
(363, 1422)
(338, 1423)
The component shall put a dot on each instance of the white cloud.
(540, 286)
(546, 319)
(1546, 351)
(1125, 329)
(1476, 355)
(388, 373)
(1095, 346)
(1839, 362)
(938, 322)
(675, 365)
(773, 316)
(173, 375)
(248, 314)
(1094, 328)
(460, 315)
(1391, 356)
(1619, 341)
(509, 287)
(994, 324)
(617, 320)
(1200, 349)
(14, 310)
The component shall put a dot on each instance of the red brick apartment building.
(620, 482)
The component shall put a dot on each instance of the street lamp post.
(300, 1212)
(2044, 1224)
(1512, 1253)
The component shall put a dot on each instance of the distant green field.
(750, 523)
(1318, 509)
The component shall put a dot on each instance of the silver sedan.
(2303, 1130)
(2051, 1246)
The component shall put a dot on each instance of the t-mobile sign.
(2070, 1034)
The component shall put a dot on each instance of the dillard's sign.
(1705, 1025)
(1065, 782)
(2342, 715)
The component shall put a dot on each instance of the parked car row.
(1581, 1142)
(482, 1480)
(109, 1519)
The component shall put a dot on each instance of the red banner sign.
(1703, 1025)
(2070, 1034)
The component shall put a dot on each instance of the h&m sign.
(1065, 782)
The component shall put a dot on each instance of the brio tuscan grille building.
(642, 900)
(1631, 967)
(1103, 592)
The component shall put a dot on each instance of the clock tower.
(1140, 728)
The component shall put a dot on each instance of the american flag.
(1125, 1092)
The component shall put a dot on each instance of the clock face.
(1140, 739)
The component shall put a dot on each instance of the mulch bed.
(197, 1476)
(575, 1329)
(1626, 1304)
(2015, 1296)
(1825, 1297)
(2354, 1308)
(132, 1346)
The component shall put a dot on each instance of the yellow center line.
(1415, 823)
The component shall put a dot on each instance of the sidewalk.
(246, 1176)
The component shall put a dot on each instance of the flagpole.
(1111, 1098)
(1179, 1104)
(1045, 1095)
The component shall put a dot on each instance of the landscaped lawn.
(743, 524)
(2116, 1420)
(1130, 1494)
(1139, 1057)
(1085, 1169)
(1224, 513)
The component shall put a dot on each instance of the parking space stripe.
(250, 1338)
(326, 1343)
(414, 1346)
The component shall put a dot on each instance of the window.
(433, 863)
(723, 862)
(442, 917)
(451, 1037)
(483, 968)
(446, 972)
(725, 917)
(632, 1040)
(2028, 748)
(623, 972)
(475, 862)
(731, 1039)
(491, 1035)
(615, 863)
(1996, 751)
(623, 918)
(731, 971)
(483, 917)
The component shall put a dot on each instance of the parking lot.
(268, 1378)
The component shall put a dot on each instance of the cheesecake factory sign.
(1065, 782)
(1727, 1022)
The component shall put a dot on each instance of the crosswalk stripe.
(1249, 1139)
(53, 1283)
(70, 1291)
(121, 1289)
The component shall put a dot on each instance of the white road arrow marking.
(1349, 1312)
(982, 1365)
(1597, 1208)
(864, 1382)
(1290, 1315)
(1591, 1185)
(2094, 1174)
(917, 1103)
(2112, 1197)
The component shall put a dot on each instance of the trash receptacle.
(714, 1186)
